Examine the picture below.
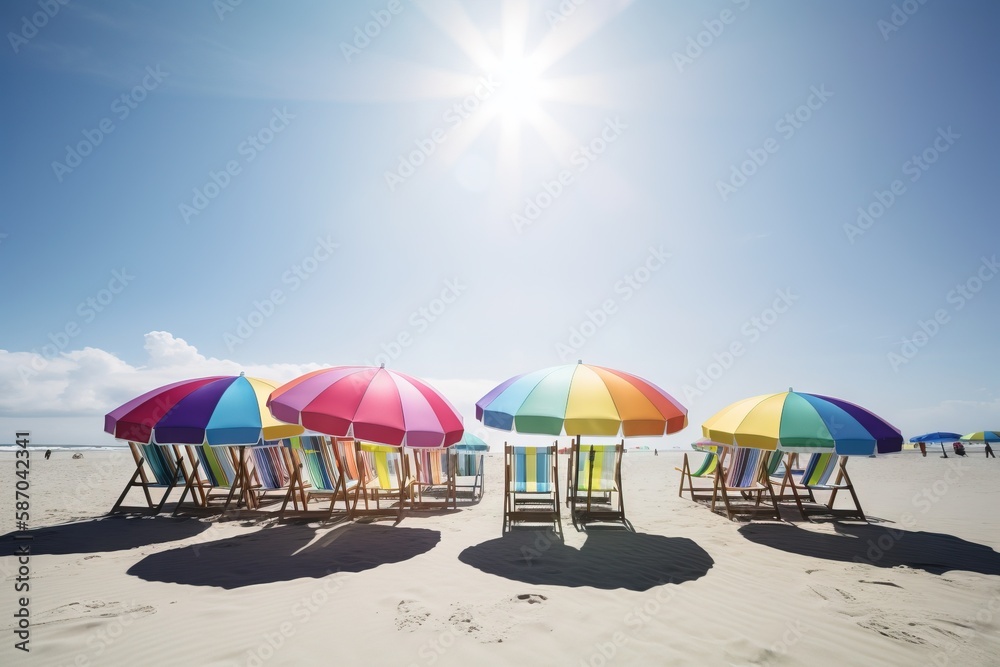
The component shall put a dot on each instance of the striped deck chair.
(745, 474)
(469, 471)
(816, 477)
(269, 471)
(314, 455)
(595, 481)
(215, 473)
(166, 464)
(776, 469)
(531, 485)
(705, 471)
(434, 469)
(382, 473)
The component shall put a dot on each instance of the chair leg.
(173, 483)
(128, 487)
(850, 487)
(684, 473)
(187, 487)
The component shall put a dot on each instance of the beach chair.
(316, 473)
(531, 485)
(776, 469)
(269, 471)
(469, 471)
(594, 483)
(166, 465)
(216, 472)
(816, 477)
(705, 471)
(382, 474)
(434, 469)
(745, 474)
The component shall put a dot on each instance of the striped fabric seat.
(469, 473)
(434, 469)
(745, 474)
(532, 470)
(596, 468)
(315, 472)
(816, 476)
(706, 471)
(744, 468)
(163, 466)
(216, 472)
(594, 487)
(531, 485)
(166, 465)
(818, 471)
(707, 467)
(217, 464)
(383, 472)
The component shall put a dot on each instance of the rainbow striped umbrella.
(798, 422)
(221, 410)
(371, 404)
(580, 399)
(982, 436)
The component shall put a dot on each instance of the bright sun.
(517, 99)
(525, 86)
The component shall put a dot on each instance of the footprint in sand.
(410, 615)
(879, 583)
(92, 609)
(463, 622)
(531, 598)
(889, 631)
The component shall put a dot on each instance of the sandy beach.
(918, 585)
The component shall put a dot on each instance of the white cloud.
(63, 400)
(91, 381)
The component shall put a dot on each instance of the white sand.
(690, 588)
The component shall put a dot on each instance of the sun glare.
(520, 90)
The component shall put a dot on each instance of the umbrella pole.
(944, 454)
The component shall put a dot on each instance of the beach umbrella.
(471, 443)
(372, 404)
(939, 437)
(220, 410)
(982, 436)
(580, 399)
(799, 422)
(706, 445)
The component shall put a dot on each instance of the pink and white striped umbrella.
(371, 404)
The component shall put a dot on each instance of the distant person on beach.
(48, 453)
(989, 451)
(923, 449)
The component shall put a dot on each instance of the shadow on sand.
(106, 534)
(609, 559)
(283, 553)
(880, 546)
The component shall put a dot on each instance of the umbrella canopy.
(471, 443)
(221, 410)
(937, 436)
(982, 436)
(799, 422)
(580, 399)
(367, 403)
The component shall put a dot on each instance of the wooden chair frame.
(538, 507)
(601, 508)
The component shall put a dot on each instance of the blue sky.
(478, 190)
